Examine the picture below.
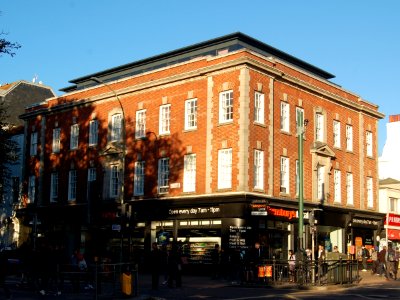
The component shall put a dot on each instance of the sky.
(358, 41)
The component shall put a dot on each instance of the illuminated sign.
(280, 212)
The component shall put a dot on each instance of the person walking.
(364, 258)
(390, 261)
(292, 265)
(322, 265)
(155, 265)
(382, 257)
(174, 267)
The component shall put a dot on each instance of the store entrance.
(274, 243)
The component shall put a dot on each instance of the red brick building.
(200, 144)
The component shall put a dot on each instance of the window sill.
(259, 124)
(190, 129)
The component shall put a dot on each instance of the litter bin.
(126, 283)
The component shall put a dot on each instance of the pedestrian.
(174, 267)
(155, 265)
(164, 262)
(322, 265)
(375, 261)
(255, 259)
(383, 267)
(396, 262)
(292, 265)
(216, 261)
(390, 261)
(364, 257)
(78, 264)
(3, 273)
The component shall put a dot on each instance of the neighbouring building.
(389, 184)
(15, 97)
(200, 145)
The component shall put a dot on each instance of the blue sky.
(358, 41)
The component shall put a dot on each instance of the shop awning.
(394, 234)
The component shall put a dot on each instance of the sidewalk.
(192, 286)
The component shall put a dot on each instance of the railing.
(278, 272)
(104, 279)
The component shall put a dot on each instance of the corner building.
(200, 145)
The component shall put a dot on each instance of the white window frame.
(259, 107)
(284, 175)
(285, 116)
(163, 175)
(337, 186)
(115, 185)
(116, 127)
(368, 140)
(319, 127)
(349, 137)
(56, 144)
(370, 192)
(336, 133)
(93, 133)
(191, 114)
(258, 169)
(299, 110)
(138, 179)
(226, 107)
(349, 189)
(320, 182)
(140, 127)
(54, 187)
(34, 143)
(92, 174)
(225, 168)
(164, 119)
(32, 189)
(72, 181)
(74, 140)
(393, 204)
(189, 173)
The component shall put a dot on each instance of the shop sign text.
(193, 211)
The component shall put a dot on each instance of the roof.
(20, 94)
(387, 181)
(231, 42)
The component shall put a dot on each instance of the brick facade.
(243, 72)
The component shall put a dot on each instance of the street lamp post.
(123, 146)
(300, 135)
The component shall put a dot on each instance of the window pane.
(258, 169)
(164, 119)
(93, 132)
(226, 106)
(163, 175)
(140, 130)
(138, 180)
(191, 114)
(189, 177)
(225, 168)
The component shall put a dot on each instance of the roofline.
(226, 38)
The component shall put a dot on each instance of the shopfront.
(392, 228)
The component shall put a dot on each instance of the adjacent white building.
(389, 183)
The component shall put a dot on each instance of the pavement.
(192, 287)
